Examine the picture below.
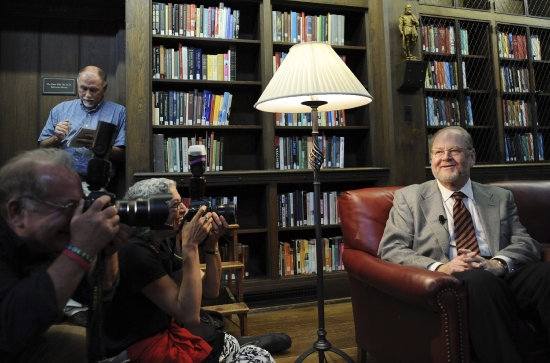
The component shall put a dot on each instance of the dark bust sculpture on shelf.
(408, 27)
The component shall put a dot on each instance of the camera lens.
(228, 211)
(152, 212)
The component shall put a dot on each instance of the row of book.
(520, 147)
(170, 154)
(299, 256)
(292, 152)
(191, 108)
(444, 75)
(191, 20)
(329, 118)
(297, 27)
(514, 79)
(512, 45)
(438, 39)
(516, 112)
(536, 47)
(297, 208)
(189, 63)
(445, 111)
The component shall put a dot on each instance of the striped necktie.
(465, 235)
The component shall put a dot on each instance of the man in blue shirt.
(66, 118)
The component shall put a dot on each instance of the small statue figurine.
(408, 25)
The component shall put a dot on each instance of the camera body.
(152, 212)
(197, 187)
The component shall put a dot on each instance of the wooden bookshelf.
(515, 125)
(249, 171)
(459, 83)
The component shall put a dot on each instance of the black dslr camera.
(151, 212)
(197, 187)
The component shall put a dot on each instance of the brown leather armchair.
(407, 314)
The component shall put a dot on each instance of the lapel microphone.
(442, 219)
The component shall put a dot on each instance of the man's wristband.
(212, 252)
(503, 264)
(76, 258)
(77, 251)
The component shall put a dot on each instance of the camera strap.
(94, 328)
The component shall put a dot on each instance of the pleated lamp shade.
(312, 71)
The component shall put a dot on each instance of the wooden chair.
(232, 289)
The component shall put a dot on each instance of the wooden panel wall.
(34, 47)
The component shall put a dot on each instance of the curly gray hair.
(148, 187)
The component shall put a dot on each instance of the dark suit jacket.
(415, 236)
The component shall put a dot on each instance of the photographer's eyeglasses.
(177, 206)
(64, 208)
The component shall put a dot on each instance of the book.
(83, 132)
(158, 153)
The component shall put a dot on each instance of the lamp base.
(321, 346)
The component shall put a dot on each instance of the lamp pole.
(316, 161)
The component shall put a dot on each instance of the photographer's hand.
(196, 230)
(92, 230)
(219, 224)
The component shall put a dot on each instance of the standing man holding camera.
(47, 246)
(66, 118)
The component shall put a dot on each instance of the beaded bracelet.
(76, 258)
(80, 253)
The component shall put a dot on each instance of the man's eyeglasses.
(65, 208)
(440, 153)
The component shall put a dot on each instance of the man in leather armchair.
(501, 267)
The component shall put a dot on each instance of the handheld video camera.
(197, 187)
(151, 212)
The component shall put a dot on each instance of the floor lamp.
(314, 78)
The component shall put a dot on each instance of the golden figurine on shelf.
(408, 27)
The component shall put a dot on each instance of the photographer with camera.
(161, 285)
(48, 244)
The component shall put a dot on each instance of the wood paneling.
(50, 45)
(19, 64)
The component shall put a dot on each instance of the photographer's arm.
(212, 276)
(183, 301)
(111, 256)
(90, 232)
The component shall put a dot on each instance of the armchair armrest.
(410, 284)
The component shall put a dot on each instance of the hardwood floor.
(299, 321)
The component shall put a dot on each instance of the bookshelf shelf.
(164, 128)
(207, 83)
(204, 41)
